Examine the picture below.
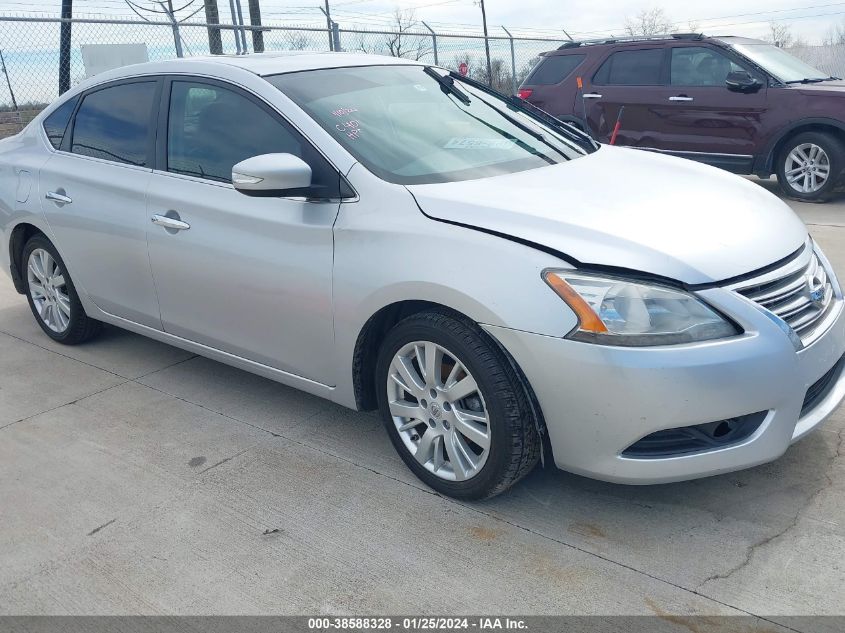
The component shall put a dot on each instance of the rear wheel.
(810, 166)
(454, 407)
(52, 296)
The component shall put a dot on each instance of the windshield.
(406, 124)
(779, 63)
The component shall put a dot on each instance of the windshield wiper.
(567, 130)
(447, 85)
(810, 80)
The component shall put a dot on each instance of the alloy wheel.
(439, 411)
(48, 290)
(807, 168)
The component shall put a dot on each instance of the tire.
(56, 308)
(826, 155)
(465, 352)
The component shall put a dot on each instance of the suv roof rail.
(631, 38)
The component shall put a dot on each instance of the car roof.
(619, 42)
(261, 64)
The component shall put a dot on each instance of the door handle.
(60, 198)
(592, 95)
(681, 98)
(170, 223)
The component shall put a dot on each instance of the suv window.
(554, 69)
(211, 128)
(56, 124)
(114, 123)
(632, 68)
(700, 66)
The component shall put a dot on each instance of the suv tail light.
(525, 93)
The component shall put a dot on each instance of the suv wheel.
(810, 166)
(52, 296)
(454, 407)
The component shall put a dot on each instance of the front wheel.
(810, 166)
(454, 407)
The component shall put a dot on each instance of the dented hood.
(630, 209)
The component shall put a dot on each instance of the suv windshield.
(779, 63)
(408, 125)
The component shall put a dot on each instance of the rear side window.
(56, 124)
(554, 69)
(114, 123)
(632, 68)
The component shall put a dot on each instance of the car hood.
(629, 209)
(832, 88)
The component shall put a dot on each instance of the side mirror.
(272, 176)
(742, 81)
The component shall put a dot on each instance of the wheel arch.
(816, 124)
(18, 238)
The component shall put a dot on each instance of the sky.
(810, 19)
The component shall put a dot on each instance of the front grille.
(818, 390)
(800, 293)
(695, 439)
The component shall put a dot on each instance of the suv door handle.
(592, 95)
(681, 98)
(170, 223)
(60, 198)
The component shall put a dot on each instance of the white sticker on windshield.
(468, 142)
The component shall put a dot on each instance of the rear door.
(629, 77)
(93, 194)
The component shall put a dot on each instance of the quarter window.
(700, 66)
(210, 129)
(632, 68)
(56, 124)
(554, 69)
(114, 123)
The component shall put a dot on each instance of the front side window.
(408, 128)
(631, 68)
(114, 123)
(700, 66)
(56, 123)
(211, 128)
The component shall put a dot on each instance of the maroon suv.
(735, 103)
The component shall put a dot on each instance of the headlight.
(618, 312)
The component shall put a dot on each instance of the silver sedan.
(389, 235)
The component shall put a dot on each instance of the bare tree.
(404, 40)
(835, 35)
(296, 41)
(649, 22)
(779, 35)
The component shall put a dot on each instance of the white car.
(387, 234)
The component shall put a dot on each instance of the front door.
(248, 276)
(93, 194)
(697, 112)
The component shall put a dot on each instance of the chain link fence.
(29, 51)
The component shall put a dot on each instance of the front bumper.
(597, 400)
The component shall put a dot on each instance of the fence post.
(235, 29)
(513, 62)
(255, 20)
(64, 46)
(336, 36)
(328, 25)
(433, 43)
(177, 40)
(212, 16)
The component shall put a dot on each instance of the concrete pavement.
(137, 478)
